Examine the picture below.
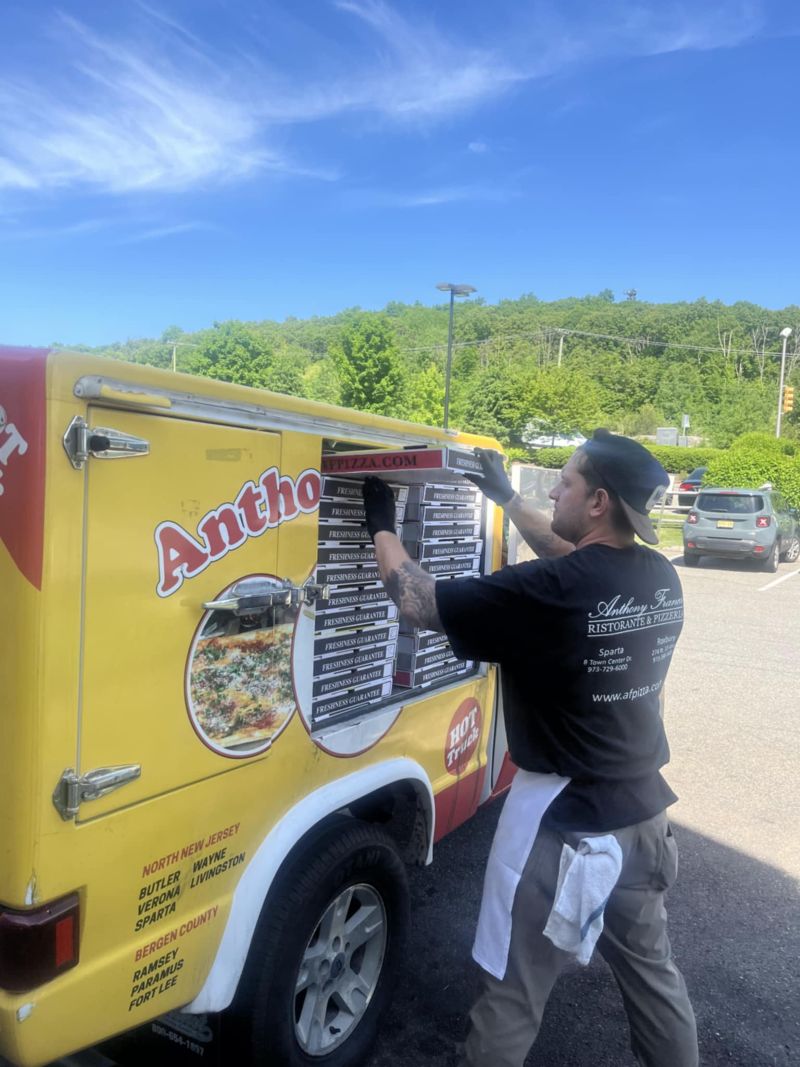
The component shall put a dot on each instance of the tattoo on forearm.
(543, 544)
(414, 592)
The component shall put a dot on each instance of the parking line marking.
(777, 581)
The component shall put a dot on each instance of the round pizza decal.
(239, 688)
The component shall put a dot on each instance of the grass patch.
(671, 533)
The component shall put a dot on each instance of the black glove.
(494, 481)
(379, 506)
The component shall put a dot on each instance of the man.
(584, 636)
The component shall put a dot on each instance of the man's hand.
(379, 506)
(494, 481)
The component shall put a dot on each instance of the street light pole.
(454, 290)
(786, 333)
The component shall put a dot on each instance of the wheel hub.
(340, 970)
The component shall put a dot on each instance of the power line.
(559, 331)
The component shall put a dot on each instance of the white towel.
(586, 877)
(530, 796)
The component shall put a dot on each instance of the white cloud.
(157, 233)
(435, 197)
(478, 147)
(121, 121)
(155, 108)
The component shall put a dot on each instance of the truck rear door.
(165, 532)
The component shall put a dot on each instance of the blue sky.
(185, 161)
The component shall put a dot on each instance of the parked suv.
(744, 524)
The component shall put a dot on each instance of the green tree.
(495, 404)
(426, 397)
(321, 382)
(234, 352)
(743, 407)
(561, 401)
(371, 373)
(285, 373)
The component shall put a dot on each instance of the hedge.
(751, 460)
(673, 459)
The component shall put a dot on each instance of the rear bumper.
(739, 548)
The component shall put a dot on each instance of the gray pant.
(507, 1015)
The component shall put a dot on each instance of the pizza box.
(345, 555)
(353, 575)
(338, 683)
(441, 672)
(466, 566)
(406, 466)
(438, 531)
(422, 550)
(429, 657)
(350, 489)
(331, 534)
(351, 640)
(349, 511)
(441, 513)
(354, 700)
(416, 640)
(352, 620)
(353, 596)
(452, 495)
(354, 657)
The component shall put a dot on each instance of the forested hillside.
(518, 365)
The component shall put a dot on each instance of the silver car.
(741, 524)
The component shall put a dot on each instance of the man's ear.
(601, 504)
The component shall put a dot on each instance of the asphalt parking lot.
(732, 707)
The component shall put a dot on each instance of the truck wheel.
(325, 954)
(691, 559)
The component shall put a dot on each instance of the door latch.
(254, 596)
(102, 442)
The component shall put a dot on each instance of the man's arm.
(534, 526)
(407, 584)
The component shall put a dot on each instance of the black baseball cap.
(633, 473)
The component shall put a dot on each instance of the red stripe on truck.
(22, 457)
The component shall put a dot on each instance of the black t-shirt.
(584, 642)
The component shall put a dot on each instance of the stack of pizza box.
(357, 625)
(442, 531)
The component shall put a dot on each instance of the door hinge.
(73, 788)
(102, 442)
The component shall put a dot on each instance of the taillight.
(691, 518)
(762, 521)
(684, 485)
(38, 944)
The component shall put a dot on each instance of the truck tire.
(325, 954)
(691, 559)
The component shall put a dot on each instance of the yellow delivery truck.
(220, 744)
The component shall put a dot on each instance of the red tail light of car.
(691, 518)
(763, 521)
(38, 944)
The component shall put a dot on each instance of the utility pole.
(786, 333)
(175, 346)
(454, 291)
